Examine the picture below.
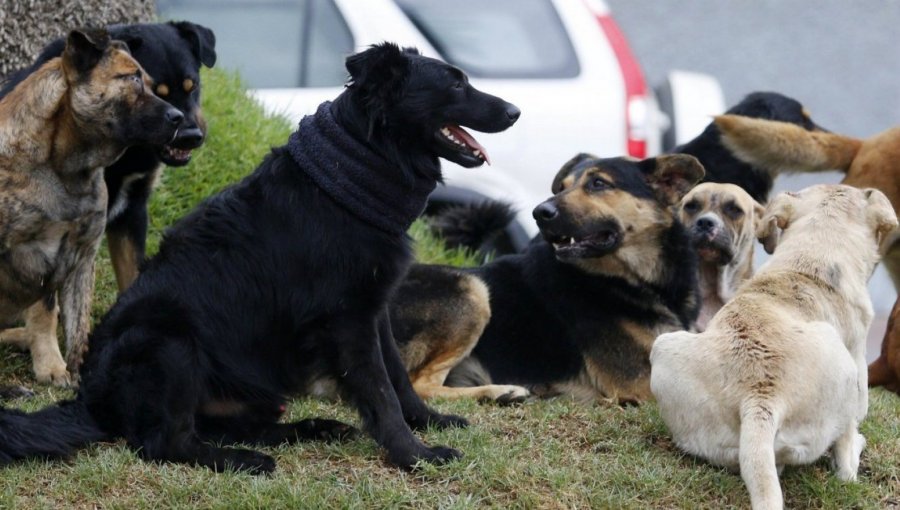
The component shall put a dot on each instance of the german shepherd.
(277, 280)
(171, 53)
(59, 128)
(578, 311)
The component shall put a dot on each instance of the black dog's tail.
(472, 225)
(55, 431)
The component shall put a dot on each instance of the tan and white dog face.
(721, 220)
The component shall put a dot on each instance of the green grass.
(549, 454)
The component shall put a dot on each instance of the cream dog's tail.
(782, 146)
(757, 457)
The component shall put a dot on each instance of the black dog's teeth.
(449, 135)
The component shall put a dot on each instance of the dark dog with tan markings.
(722, 220)
(58, 129)
(578, 311)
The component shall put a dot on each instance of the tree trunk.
(26, 26)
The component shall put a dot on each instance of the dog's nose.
(545, 212)
(174, 116)
(705, 224)
(513, 112)
(188, 138)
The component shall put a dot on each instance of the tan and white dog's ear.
(759, 211)
(777, 217)
(881, 217)
(672, 176)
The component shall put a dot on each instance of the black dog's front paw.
(326, 430)
(436, 455)
(438, 421)
(249, 461)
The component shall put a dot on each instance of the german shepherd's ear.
(777, 217)
(558, 181)
(84, 48)
(202, 40)
(881, 218)
(672, 176)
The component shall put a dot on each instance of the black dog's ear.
(382, 66)
(672, 176)
(559, 182)
(133, 41)
(84, 48)
(379, 75)
(202, 39)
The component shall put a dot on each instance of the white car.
(564, 63)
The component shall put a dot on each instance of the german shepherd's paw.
(325, 430)
(506, 394)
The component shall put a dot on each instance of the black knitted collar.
(360, 180)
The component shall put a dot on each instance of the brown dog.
(58, 129)
(721, 219)
(885, 371)
(870, 163)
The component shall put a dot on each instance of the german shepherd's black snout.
(547, 211)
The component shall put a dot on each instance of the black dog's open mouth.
(595, 245)
(459, 140)
(173, 156)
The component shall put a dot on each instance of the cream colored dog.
(721, 220)
(779, 376)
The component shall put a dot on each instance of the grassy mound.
(550, 454)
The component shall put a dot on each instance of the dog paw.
(507, 395)
(249, 461)
(13, 392)
(52, 372)
(327, 430)
(436, 455)
(439, 421)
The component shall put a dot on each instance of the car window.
(497, 38)
(273, 43)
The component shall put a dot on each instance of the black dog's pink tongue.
(476, 147)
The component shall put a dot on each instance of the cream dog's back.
(779, 375)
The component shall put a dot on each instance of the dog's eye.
(458, 85)
(732, 210)
(137, 79)
(598, 184)
(691, 207)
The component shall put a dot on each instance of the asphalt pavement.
(840, 58)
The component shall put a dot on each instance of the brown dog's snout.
(546, 211)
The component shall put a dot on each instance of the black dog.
(171, 53)
(279, 279)
(722, 166)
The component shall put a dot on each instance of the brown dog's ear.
(881, 217)
(777, 217)
(84, 48)
(758, 211)
(201, 39)
(672, 176)
(559, 182)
